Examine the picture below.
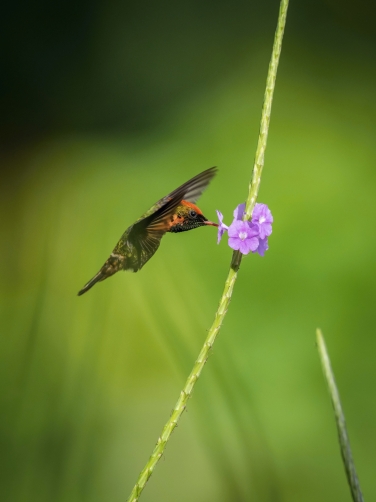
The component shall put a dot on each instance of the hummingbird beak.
(211, 223)
(205, 221)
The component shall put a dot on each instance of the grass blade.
(343, 437)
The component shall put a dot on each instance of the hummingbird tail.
(114, 263)
(99, 277)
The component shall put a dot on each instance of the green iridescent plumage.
(175, 212)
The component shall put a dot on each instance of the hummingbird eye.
(192, 213)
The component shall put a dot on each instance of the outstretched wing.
(146, 233)
(193, 188)
(190, 191)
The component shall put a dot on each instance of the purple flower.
(246, 236)
(262, 247)
(221, 227)
(239, 212)
(262, 217)
(243, 236)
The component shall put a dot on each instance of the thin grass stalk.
(343, 437)
(186, 393)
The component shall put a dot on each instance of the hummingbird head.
(188, 216)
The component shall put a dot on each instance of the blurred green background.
(108, 106)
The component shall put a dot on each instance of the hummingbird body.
(174, 213)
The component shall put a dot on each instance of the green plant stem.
(185, 394)
(258, 165)
(344, 442)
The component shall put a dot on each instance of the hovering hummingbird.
(174, 213)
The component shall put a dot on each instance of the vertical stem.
(254, 185)
(344, 441)
(185, 394)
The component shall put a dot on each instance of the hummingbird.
(176, 212)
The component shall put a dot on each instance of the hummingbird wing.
(193, 188)
(145, 235)
(155, 218)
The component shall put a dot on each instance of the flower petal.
(265, 229)
(221, 227)
(262, 217)
(249, 245)
(262, 247)
(262, 211)
(254, 230)
(220, 216)
(236, 227)
(234, 243)
(239, 212)
(221, 231)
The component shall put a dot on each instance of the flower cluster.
(247, 236)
